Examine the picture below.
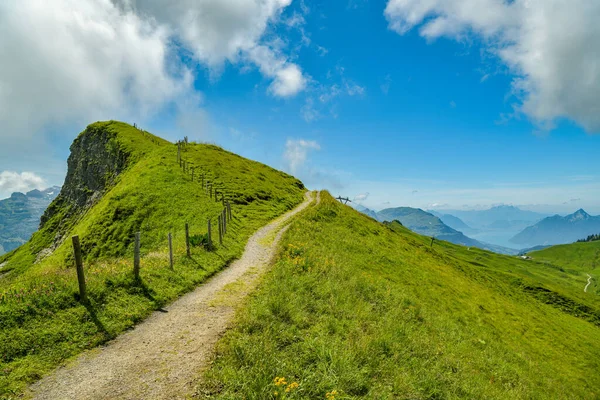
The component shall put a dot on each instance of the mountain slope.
(454, 222)
(428, 224)
(367, 211)
(356, 309)
(20, 216)
(559, 230)
(120, 181)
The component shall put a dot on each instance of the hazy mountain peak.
(580, 214)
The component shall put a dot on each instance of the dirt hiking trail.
(162, 357)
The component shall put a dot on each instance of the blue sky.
(388, 111)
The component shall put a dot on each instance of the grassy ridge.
(41, 321)
(579, 259)
(353, 308)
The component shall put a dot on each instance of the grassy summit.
(120, 181)
(357, 309)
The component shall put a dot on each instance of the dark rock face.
(95, 162)
(93, 165)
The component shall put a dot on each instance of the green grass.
(577, 259)
(372, 311)
(42, 323)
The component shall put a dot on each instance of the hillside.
(559, 230)
(121, 180)
(367, 211)
(20, 216)
(357, 309)
(454, 222)
(577, 258)
(428, 224)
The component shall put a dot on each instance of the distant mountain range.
(498, 217)
(20, 216)
(559, 230)
(428, 224)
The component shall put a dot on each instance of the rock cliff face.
(95, 162)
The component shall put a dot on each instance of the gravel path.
(163, 357)
(588, 282)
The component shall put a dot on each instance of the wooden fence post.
(187, 240)
(79, 267)
(224, 214)
(171, 250)
(220, 230)
(209, 236)
(229, 209)
(136, 256)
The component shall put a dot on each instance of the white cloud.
(75, 61)
(11, 181)
(80, 60)
(551, 46)
(296, 153)
(288, 81)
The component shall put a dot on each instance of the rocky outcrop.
(95, 162)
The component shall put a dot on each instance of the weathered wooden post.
(187, 240)
(432, 239)
(229, 209)
(136, 256)
(209, 236)
(220, 230)
(224, 219)
(79, 267)
(171, 250)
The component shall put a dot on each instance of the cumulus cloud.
(296, 153)
(73, 61)
(11, 181)
(217, 31)
(77, 60)
(549, 45)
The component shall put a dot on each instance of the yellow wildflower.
(291, 386)
(280, 381)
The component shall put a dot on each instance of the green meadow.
(357, 309)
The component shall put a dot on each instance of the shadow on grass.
(195, 262)
(94, 316)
